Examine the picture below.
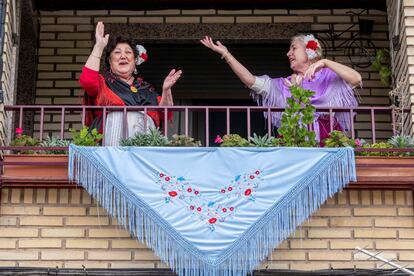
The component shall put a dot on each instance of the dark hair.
(112, 45)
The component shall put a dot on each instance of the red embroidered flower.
(224, 210)
(312, 44)
(199, 209)
(192, 207)
(252, 177)
(248, 192)
(161, 175)
(223, 191)
(196, 192)
(231, 209)
(212, 220)
(167, 179)
(173, 193)
(189, 190)
(144, 56)
(230, 189)
(257, 172)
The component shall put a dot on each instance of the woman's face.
(122, 60)
(297, 56)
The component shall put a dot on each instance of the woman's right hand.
(100, 37)
(216, 47)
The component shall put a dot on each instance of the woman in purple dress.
(332, 82)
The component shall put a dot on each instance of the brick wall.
(66, 38)
(8, 80)
(66, 228)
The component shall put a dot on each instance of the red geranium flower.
(312, 44)
(19, 130)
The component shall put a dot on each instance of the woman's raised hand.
(171, 79)
(101, 38)
(216, 47)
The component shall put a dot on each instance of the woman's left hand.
(171, 79)
(313, 68)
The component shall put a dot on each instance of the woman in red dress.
(120, 86)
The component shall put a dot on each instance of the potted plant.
(36, 165)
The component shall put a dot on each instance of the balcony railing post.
(103, 124)
(249, 131)
(124, 123)
(373, 125)
(166, 121)
(227, 120)
(207, 127)
(42, 117)
(62, 124)
(331, 120)
(21, 118)
(393, 122)
(269, 122)
(351, 114)
(186, 121)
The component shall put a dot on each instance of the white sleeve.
(261, 85)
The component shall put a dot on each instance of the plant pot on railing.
(29, 169)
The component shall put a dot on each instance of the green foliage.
(380, 145)
(184, 141)
(381, 64)
(262, 141)
(337, 139)
(152, 138)
(54, 142)
(402, 141)
(234, 140)
(298, 114)
(86, 137)
(24, 141)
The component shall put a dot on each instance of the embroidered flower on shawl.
(211, 212)
(312, 46)
(142, 55)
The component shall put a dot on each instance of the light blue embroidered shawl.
(211, 211)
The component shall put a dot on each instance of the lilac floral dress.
(330, 91)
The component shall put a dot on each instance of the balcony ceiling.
(206, 4)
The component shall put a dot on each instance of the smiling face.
(122, 61)
(298, 58)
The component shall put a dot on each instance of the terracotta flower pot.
(384, 172)
(23, 169)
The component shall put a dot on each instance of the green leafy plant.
(402, 141)
(86, 137)
(152, 138)
(234, 140)
(337, 139)
(262, 141)
(24, 141)
(296, 117)
(380, 145)
(381, 64)
(184, 141)
(54, 142)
